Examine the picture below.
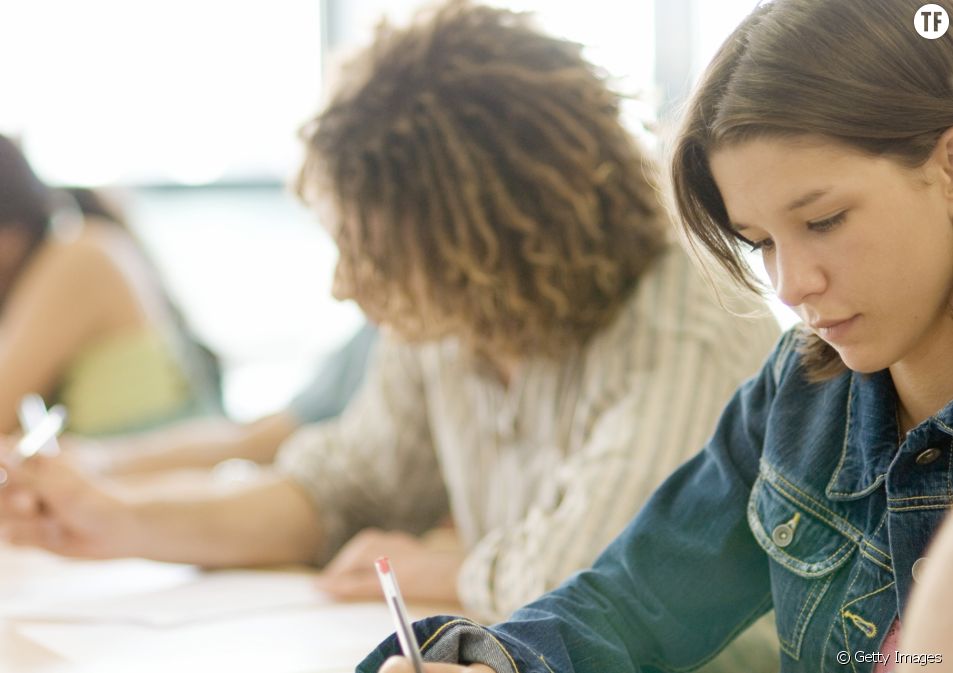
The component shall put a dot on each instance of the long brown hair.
(483, 184)
(854, 71)
(25, 200)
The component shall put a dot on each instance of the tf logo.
(931, 21)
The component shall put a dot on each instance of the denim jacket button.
(918, 567)
(927, 456)
(783, 535)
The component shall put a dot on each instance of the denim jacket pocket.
(804, 548)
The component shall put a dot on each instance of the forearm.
(200, 443)
(269, 522)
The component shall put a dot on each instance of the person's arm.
(66, 296)
(379, 451)
(374, 466)
(198, 443)
(928, 623)
(428, 565)
(48, 503)
(680, 582)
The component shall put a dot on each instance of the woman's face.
(860, 247)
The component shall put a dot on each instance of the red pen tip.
(383, 564)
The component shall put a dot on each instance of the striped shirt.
(541, 474)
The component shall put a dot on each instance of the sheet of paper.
(207, 596)
(327, 639)
(30, 580)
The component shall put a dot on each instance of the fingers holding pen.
(17, 498)
(23, 513)
(18, 502)
(37, 531)
(403, 665)
(48, 502)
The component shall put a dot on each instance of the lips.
(834, 330)
(827, 324)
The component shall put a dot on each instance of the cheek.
(769, 264)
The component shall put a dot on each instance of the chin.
(860, 362)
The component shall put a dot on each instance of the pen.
(405, 634)
(41, 431)
(30, 411)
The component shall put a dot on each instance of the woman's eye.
(828, 223)
(763, 244)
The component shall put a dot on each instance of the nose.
(795, 274)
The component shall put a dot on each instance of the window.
(158, 97)
(182, 91)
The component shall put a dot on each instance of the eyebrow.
(807, 199)
(799, 202)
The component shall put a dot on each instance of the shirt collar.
(871, 439)
(873, 435)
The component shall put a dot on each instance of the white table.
(307, 636)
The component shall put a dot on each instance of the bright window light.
(182, 91)
(714, 22)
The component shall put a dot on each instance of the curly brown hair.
(482, 184)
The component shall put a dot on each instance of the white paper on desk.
(328, 639)
(211, 595)
(31, 579)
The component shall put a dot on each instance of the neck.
(924, 386)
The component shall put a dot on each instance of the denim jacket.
(804, 500)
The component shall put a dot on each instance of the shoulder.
(88, 256)
(678, 293)
(397, 361)
(93, 275)
(675, 302)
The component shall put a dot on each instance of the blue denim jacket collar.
(869, 443)
(872, 435)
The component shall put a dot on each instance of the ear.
(943, 154)
(942, 159)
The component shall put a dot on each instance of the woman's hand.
(47, 502)
(426, 569)
(403, 665)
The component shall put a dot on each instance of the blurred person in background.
(84, 319)
(75, 288)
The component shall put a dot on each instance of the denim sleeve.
(679, 583)
(336, 381)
